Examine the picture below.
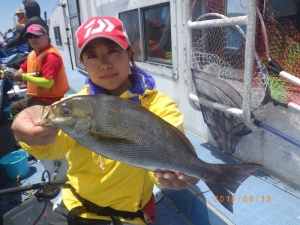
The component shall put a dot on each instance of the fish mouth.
(47, 116)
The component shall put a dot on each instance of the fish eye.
(66, 111)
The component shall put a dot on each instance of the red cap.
(101, 26)
(35, 29)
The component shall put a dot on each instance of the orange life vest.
(34, 64)
(21, 21)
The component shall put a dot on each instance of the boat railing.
(250, 21)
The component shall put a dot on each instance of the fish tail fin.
(226, 179)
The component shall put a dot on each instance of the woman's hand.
(175, 181)
(26, 128)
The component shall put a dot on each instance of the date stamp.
(243, 198)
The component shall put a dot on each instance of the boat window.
(157, 31)
(150, 37)
(131, 23)
(57, 36)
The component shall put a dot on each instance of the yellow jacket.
(104, 181)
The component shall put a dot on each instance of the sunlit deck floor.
(259, 200)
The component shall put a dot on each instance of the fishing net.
(281, 43)
(220, 52)
(226, 129)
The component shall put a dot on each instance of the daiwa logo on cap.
(102, 24)
(35, 29)
(106, 27)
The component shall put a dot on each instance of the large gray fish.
(127, 132)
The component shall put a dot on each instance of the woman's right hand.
(26, 128)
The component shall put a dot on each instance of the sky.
(8, 8)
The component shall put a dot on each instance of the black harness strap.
(73, 214)
(99, 210)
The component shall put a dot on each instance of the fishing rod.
(9, 73)
(33, 74)
(276, 132)
(48, 189)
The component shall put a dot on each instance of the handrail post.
(249, 60)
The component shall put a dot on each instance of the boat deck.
(260, 200)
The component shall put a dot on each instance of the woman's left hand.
(175, 181)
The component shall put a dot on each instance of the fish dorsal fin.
(184, 138)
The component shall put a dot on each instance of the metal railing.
(250, 21)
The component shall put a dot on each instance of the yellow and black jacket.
(104, 181)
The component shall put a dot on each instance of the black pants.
(59, 217)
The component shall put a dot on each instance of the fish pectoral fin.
(111, 137)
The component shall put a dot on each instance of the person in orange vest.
(43, 70)
(20, 13)
(153, 36)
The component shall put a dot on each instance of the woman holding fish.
(101, 190)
